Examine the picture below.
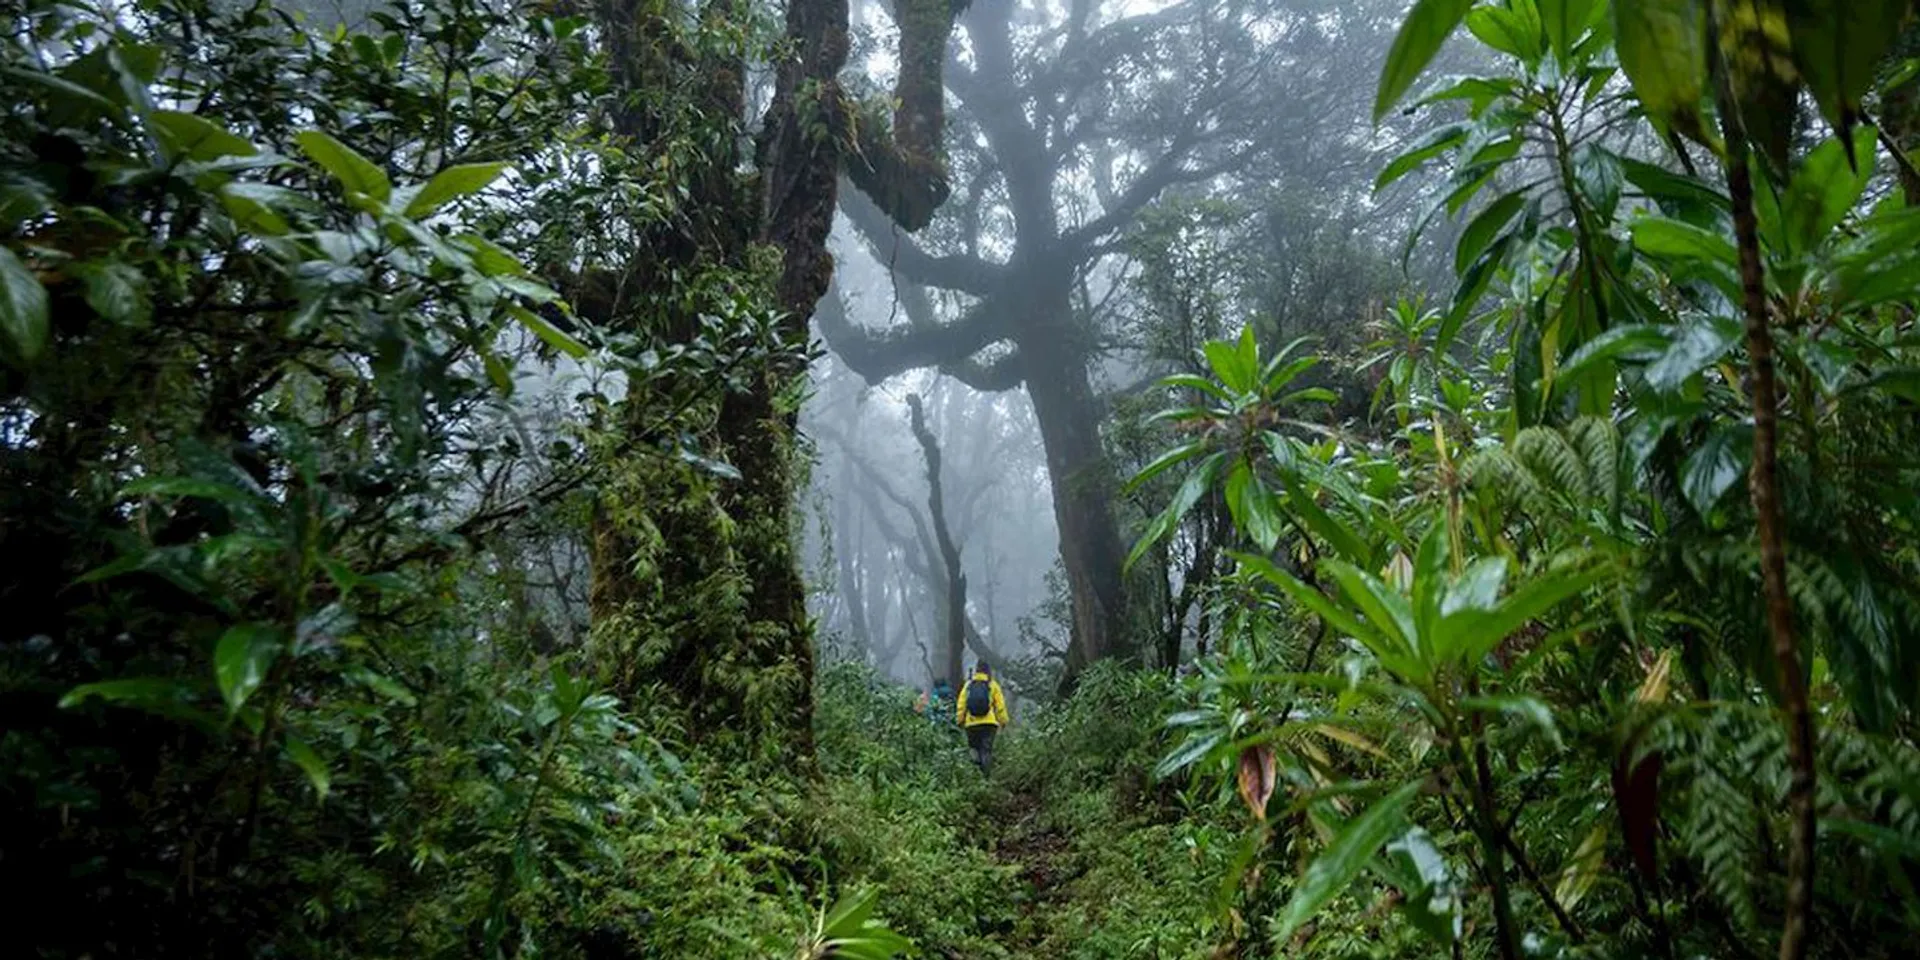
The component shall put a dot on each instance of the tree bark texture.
(1068, 413)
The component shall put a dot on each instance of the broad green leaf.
(251, 205)
(1479, 92)
(1697, 345)
(116, 291)
(304, 757)
(1583, 868)
(1426, 578)
(1481, 230)
(132, 691)
(1387, 609)
(1432, 898)
(1660, 237)
(1427, 27)
(848, 931)
(1201, 384)
(161, 696)
(1197, 745)
(489, 258)
(1478, 587)
(1307, 596)
(1838, 45)
(1715, 466)
(1280, 371)
(385, 686)
(453, 182)
(175, 487)
(1629, 342)
(553, 336)
(1253, 508)
(242, 658)
(1824, 189)
(1597, 172)
(1308, 395)
(1191, 489)
(1345, 542)
(1496, 151)
(22, 198)
(1507, 31)
(23, 309)
(355, 172)
(1663, 49)
(1474, 634)
(1467, 182)
(1351, 850)
(1233, 363)
(1164, 462)
(1526, 709)
(1434, 143)
(1677, 194)
(1473, 283)
(187, 136)
(1691, 252)
(1566, 21)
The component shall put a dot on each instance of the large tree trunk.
(1069, 417)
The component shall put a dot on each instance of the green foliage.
(1576, 423)
(282, 682)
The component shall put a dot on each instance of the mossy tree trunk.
(697, 585)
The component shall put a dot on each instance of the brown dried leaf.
(1256, 778)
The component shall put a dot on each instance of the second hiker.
(982, 710)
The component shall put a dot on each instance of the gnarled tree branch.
(878, 355)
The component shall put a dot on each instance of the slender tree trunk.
(848, 533)
(1763, 486)
(955, 638)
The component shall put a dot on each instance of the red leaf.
(1256, 778)
(1636, 793)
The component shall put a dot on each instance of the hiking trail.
(1042, 856)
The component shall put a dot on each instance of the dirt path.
(1042, 856)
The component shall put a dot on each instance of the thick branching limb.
(904, 170)
(877, 356)
(909, 261)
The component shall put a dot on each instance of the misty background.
(1130, 179)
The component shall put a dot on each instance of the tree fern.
(1566, 476)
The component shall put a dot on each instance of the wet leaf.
(355, 172)
(452, 183)
(1427, 27)
(23, 309)
(192, 137)
(1336, 867)
(1716, 466)
(310, 763)
(242, 658)
(1663, 51)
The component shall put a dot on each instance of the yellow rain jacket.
(996, 717)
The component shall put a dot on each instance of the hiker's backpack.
(979, 698)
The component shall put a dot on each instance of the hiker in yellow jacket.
(982, 709)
